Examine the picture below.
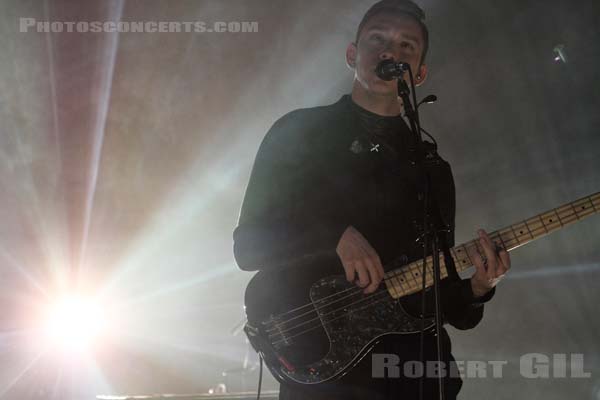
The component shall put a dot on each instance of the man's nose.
(386, 55)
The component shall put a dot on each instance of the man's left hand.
(491, 270)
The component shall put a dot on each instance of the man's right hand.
(360, 260)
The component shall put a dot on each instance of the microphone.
(389, 69)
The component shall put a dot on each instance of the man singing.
(342, 180)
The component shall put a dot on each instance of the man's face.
(385, 36)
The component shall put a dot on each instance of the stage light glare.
(74, 323)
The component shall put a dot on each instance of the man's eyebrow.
(378, 28)
(407, 36)
(411, 37)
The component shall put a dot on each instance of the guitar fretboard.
(407, 280)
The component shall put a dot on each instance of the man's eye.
(377, 38)
(407, 45)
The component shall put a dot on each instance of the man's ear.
(421, 75)
(351, 55)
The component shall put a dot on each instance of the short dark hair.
(406, 7)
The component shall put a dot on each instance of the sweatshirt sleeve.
(461, 308)
(276, 228)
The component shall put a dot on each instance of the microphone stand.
(429, 229)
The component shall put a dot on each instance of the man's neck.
(378, 104)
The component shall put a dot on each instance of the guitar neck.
(407, 280)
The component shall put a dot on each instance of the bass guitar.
(311, 329)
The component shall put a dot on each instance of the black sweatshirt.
(321, 169)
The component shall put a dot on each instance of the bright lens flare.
(74, 324)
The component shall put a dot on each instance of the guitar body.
(311, 326)
(311, 329)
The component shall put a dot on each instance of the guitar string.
(496, 235)
(382, 296)
(352, 288)
(329, 321)
(277, 325)
(354, 292)
(394, 264)
(316, 309)
(326, 321)
(281, 332)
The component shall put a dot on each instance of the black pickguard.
(322, 341)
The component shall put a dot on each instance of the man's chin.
(378, 88)
(384, 88)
